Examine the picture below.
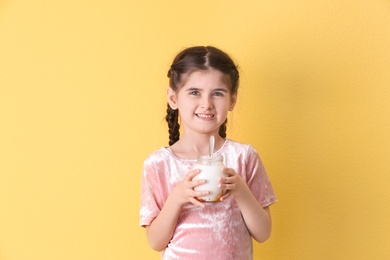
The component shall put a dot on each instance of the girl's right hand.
(184, 191)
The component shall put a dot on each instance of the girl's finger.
(226, 180)
(201, 193)
(227, 187)
(192, 174)
(229, 171)
(197, 203)
(195, 183)
(225, 196)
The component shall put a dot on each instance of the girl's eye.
(219, 94)
(194, 93)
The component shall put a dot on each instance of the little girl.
(203, 89)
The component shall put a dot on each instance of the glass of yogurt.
(211, 171)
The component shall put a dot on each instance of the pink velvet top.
(217, 231)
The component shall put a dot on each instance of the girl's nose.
(206, 103)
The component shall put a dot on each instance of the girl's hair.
(189, 60)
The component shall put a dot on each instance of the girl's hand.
(184, 191)
(233, 184)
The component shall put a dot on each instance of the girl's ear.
(172, 98)
(233, 100)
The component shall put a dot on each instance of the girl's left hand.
(233, 184)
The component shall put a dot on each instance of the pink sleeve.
(258, 181)
(149, 196)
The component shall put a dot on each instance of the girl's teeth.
(205, 116)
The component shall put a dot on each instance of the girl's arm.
(161, 230)
(257, 218)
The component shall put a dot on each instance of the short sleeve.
(149, 196)
(257, 179)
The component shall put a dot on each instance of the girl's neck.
(190, 147)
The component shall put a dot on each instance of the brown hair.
(198, 58)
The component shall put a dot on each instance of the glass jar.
(211, 171)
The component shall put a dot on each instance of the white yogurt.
(211, 171)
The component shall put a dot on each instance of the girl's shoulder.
(161, 154)
(165, 154)
(238, 148)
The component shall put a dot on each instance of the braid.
(222, 129)
(172, 119)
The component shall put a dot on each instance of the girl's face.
(203, 101)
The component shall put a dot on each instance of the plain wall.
(82, 103)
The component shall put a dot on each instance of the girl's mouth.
(206, 116)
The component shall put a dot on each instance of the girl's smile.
(205, 116)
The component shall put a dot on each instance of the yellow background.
(82, 102)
